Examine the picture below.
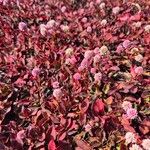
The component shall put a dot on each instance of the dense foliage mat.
(74, 74)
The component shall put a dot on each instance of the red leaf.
(98, 106)
(51, 145)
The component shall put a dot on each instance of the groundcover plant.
(74, 74)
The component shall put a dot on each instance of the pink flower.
(96, 50)
(57, 93)
(84, 20)
(138, 70)
(55, 84)
(84, 63)
(126, 105)
(87, 127)
(130, 138)
(35, 72)
(131, 113)
(89, 29)
(146, 144)
(77, 76)
(63, 9)
(126, 43)
(22, 26)
(88, 54)
(93, 70)
(98, 77)
(97, 58)
(135, 147)
(119, 49)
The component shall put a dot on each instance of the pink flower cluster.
(131, 113)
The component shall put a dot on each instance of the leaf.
(98, 106)
(106, 88)
(53, 133)
(109, 100)
(128, 128)
(83, 145)
(51, 145)
(84, 106)
(62, 136)
(144, 130)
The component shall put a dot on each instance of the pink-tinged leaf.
(136, 17)
(78, 148)
(62, 145)
(147, 38)
(108, 36)
(146, 123)
(53, 133)
(20, 82)
(129, 128)
(83, 145)
(125, 121)
(62, 136)
(125, 17)
(84, 106)
(132, 71)
(98, 106)
(144, 129)
(52, 145)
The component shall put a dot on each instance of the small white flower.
(43, 29)
(103, 50)
(50, 23)
(135, 147)
(65, 28)
(146, 144)
(103, 22)
(69, 51)
(130, 138)
(102, 5)
(137, 24)
(116, 10)
(126, 105)
(139, 58)
(147, 28)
